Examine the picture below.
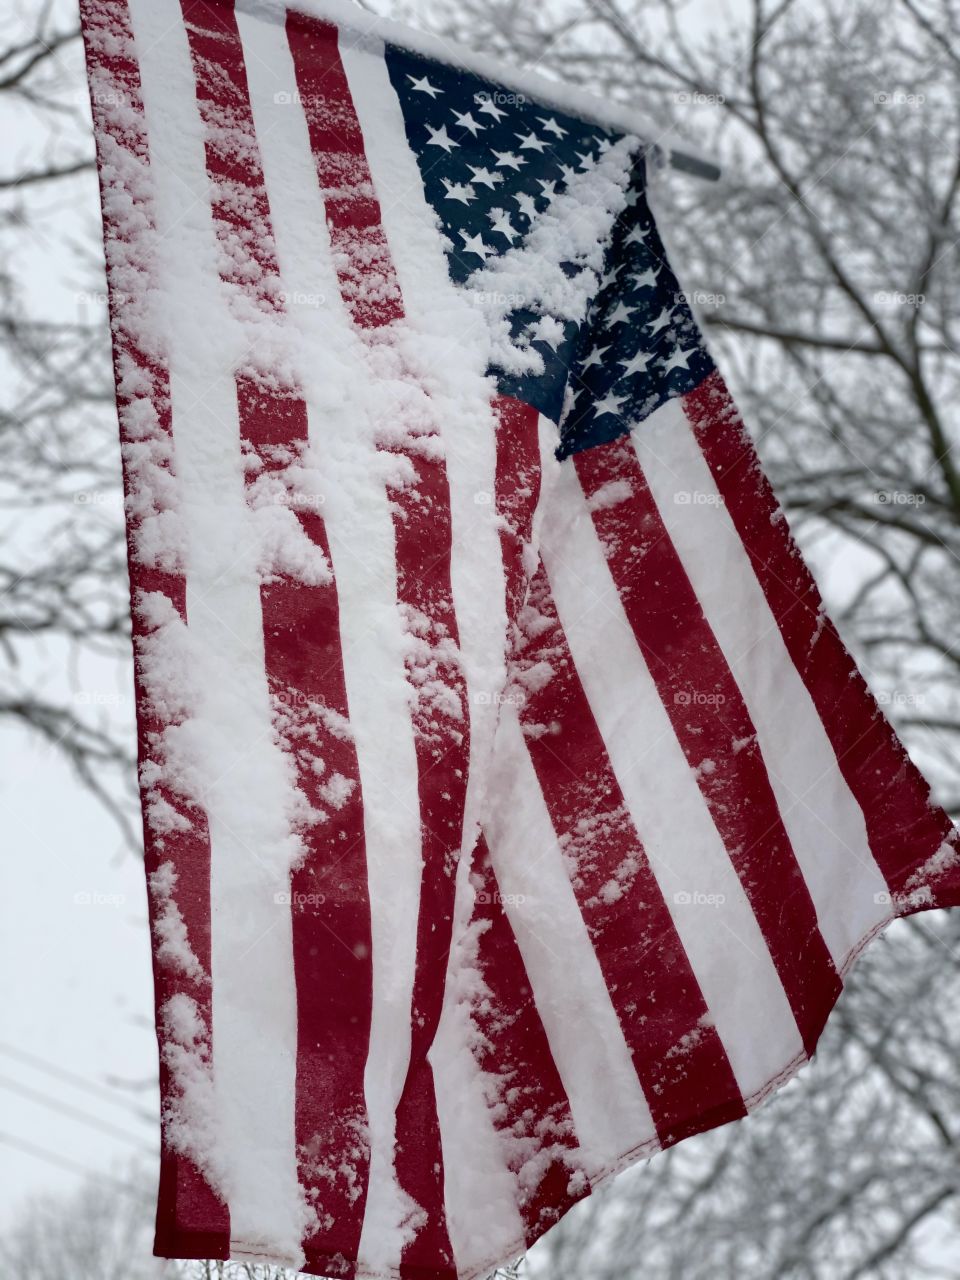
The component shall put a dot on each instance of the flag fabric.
(512, 808)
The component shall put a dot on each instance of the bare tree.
(99, 1233)
(62, 577)
(825, 268)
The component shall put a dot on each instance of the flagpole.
(684, 162)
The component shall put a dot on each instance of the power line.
(75, 1113)
(64, 1162)
(71, 1077)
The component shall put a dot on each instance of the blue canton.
(491, 161)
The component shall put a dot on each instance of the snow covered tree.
(63, 606)
(825, 268)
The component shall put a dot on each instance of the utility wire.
(75, 1113)
(63, 1162)
(71, 1077)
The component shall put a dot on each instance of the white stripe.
(337, 380)
(248, 785)
(443, 338)
(823, 820)
(717, 926)
(609, 1110)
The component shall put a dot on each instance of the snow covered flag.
(512, 809)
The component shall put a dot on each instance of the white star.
(567, 174)
(594, 356)
(474, 244)
(610, 276)
(679, 360)
(440, 138)
(636, 236)
(500, 221)
(527, 204)
(459, 191)
(587, 160)
(466, 121)
(549, 188)
(645, 280)
(663, 320)
(551, 126)
(619, 315)
(636, 364)
(507, 160)
(609, 404)
(603, 145)
(424, 86)
(485, 177)
(487, 105)
(530, 142)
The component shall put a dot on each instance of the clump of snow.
(433, 664)
(189, 1112)
(610, 495)
(946, 858)
(574, 229)
(172, 944)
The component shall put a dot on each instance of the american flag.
(512, 809)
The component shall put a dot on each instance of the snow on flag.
(512, 809)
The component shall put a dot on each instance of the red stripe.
(526, 1098)
(441, 738)
(712, 724)
(360, 250)
(330, 904)
(192, 1221)
(518, 493)
(680, 1061)
(903, 828)
(423, 540)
